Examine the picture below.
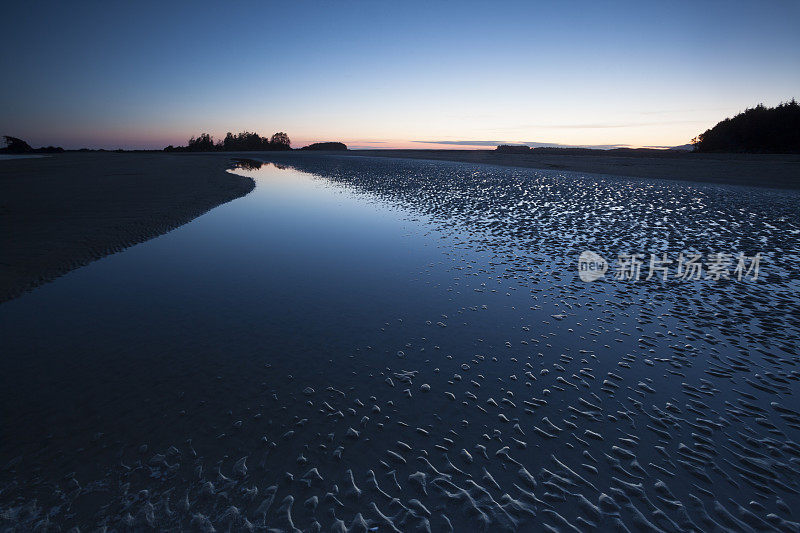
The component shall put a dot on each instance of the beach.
(64, 211)
(406, 345)
(760, 170)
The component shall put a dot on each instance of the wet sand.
(762, 170)
(61, 212)
(64, 211)
(399, 345)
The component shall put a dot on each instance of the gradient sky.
(379, 74)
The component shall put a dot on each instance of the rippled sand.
(529, 401)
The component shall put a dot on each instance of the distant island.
(568, 151)
(328, 146)
(513, 149)
(766, 130)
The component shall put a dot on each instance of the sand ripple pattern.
(605, 406)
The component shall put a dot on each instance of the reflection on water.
(247, 164)
(407, 344)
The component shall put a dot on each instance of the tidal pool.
(373, 344)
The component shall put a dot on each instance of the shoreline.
(776, 171)
(62, 212)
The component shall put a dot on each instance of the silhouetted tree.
(757, 130)
(243, 141)
(203, 143)
(16, 146)
(279, 140)
(229, 142)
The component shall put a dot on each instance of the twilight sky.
(380, 74)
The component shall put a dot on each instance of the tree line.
(241, 142)
(14, 145)
(761, 129)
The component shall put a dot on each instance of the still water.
(395, 344)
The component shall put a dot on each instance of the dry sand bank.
(777, 171)
(61, 212)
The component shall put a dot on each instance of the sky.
(391, 74)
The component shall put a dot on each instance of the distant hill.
(771, 130)
(328, 146)
(612, 152)
(684, 147)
